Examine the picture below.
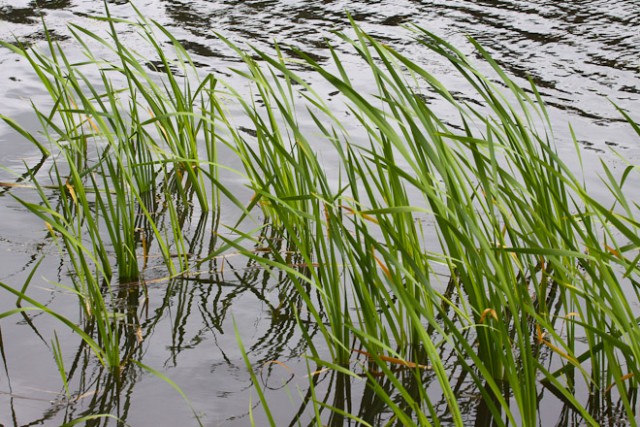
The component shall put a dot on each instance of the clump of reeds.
(533, 264)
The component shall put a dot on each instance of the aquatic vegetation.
(459, 263)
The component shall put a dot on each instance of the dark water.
(583, 55)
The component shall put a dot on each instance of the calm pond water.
(583, 55)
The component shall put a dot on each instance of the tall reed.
(448, 257)
(511, 219)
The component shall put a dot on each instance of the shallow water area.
(583, 56)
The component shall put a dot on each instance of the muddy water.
(583, 55)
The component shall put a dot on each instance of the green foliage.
(533, 264)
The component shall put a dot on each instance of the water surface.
(583, 56)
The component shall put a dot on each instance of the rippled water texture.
(578, 52)
(583, 55)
